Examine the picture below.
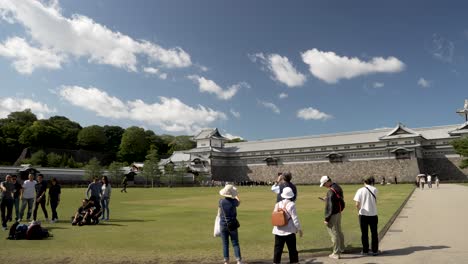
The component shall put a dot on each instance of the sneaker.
(334, 256)
(107, 219)
(20, 220)
(362, 253)
(376, 253)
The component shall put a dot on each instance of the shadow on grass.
(130, 220)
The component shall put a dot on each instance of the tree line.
(22, 129)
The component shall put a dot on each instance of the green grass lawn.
(165, 225)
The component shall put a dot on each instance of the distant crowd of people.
(286, 195)
(35, 193)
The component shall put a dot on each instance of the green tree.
(54, 160)
(68, 132)
(10, 131)
(93, 169)
(40, 134)
(38, 158)
(181, 143)
(92, 138)
(114, 137)
(116, 172)
(134, 145)
(151, 168)
(461, 147)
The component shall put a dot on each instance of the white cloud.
(155, 71)
(235, 113)
(312, 113)
(270, 106)
(209, 86)
(282, 95)
(282, 69)
(378, 85)
(26, 58)
(80, 36)
(9, 104)
(424, 83)
(169, 114)
(330, 68)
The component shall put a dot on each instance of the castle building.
(398, 153)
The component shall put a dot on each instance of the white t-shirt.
(29, 190)
(367, 201)
(429, 178)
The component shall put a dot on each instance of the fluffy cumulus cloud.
(330, 67)
(9, 104)
(80, 36)
(270, 105)
(281, 69)
(155, 71)
(230, 136)
(209, 86)
(169, 114)
(26, 58)
(424, 83)
(312, 114)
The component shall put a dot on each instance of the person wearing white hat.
(287, 234)
(334, 204)
(228, 214)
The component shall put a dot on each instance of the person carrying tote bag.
(228, 221)
(287, 233)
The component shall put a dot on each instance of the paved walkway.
(431, 228)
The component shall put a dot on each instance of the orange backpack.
(280, 217)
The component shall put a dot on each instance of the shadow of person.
(410, 250)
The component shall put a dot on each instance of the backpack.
(21, 231)
(341, 202)
(11, 234)
(280, 217)
(36, 232)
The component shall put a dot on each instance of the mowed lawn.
(175, 225)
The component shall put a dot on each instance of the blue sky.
(254, 69)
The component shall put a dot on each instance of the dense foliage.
(55, 141)
(461, 147)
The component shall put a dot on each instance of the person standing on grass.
(41, 189)
(93, 193)
(228, 212)
(105, 197)
(124, 184)
(366, 204)
(16, 196)
(334, 204)
(6, 205)
(286, 182)
(27, 197)
(287, 234)
(54, 198)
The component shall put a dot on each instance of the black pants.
(290, 241)
(97, 202)
(42, 203)
(53, 206)
(6, 206)
(366, 222)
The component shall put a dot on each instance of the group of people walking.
(365, 201)
(422, 179)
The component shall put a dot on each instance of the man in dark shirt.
(41, 188)
(54, 198)
(16, 196)
(287, 176)
(7, 189)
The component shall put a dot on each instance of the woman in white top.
(105, 197)
(287, 234)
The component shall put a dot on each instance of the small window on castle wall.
(402, 155)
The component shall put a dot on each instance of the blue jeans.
(105, 207)
(225, 234)
(29, 203)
